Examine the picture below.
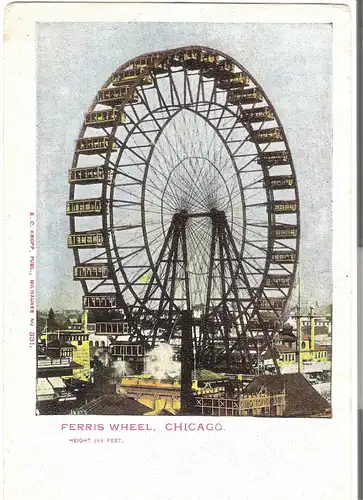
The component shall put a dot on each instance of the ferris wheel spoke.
(254, 182)
(158, 171)
(258, 270)
(199, 256)
(97, 286)
(166, 198)
(212, 98)
(126, 227)
(200, 90)
(154, 143)
(247, 138)
(236, 195)
(234, 289)
(182, 153)
(190, 133)
(257, 247)
(256, 233)
(173, 88)
(232, 128)
(126, 202)
(130, 254)
(162, 102)
(187, 112)
(95, 257)
(169, 208)
(151, 141)
(284, 245)
(198, 184)
(241, 169)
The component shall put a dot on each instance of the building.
(301, 399)
(322, 323)
(165, 394)
(72, 344)
(112, 404)
(297, 345)
(259, 404)
(50, 388)
(55, 363)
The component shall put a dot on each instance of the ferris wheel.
(183, 197)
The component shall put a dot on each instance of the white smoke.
(121, 369)
(160, 363)
(102, 356)
(292, 322)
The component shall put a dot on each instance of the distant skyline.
(292, 63)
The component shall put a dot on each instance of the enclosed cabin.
(257, 115)
(284, 207)
(100, 301)
(104, 118)
(233, 81)
(126, 351)
(191, 59)
(278, 281)
(273, 134)
(89, 175)
(154, 62)
(209, 60)
(174, 60)
(136, 76)
(112, 327)
(95, 145)
(283, 232)
(274, 158)
(272, 303)
(278, 182)
(86, 207)
(283, 257)
(264, 324)
(92, 271)
(245, 96)
(86, 239)
(216, 67)
(118, 96)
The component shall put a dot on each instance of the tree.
(51, 321)
(41, 321)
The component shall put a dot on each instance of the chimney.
(312, 329)
(85, 321)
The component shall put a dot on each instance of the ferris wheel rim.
(175, 51)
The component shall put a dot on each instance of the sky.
(291, 62)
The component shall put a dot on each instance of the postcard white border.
(250, 454)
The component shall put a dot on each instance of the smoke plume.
(121, 369)
(160, 363)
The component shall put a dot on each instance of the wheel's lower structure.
(183, 197)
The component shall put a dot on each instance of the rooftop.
(302, 400)
(114, 404)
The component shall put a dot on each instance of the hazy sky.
(292, 63)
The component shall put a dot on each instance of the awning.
(56, 382)
(44, 388)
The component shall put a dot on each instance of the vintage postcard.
(183, 186)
